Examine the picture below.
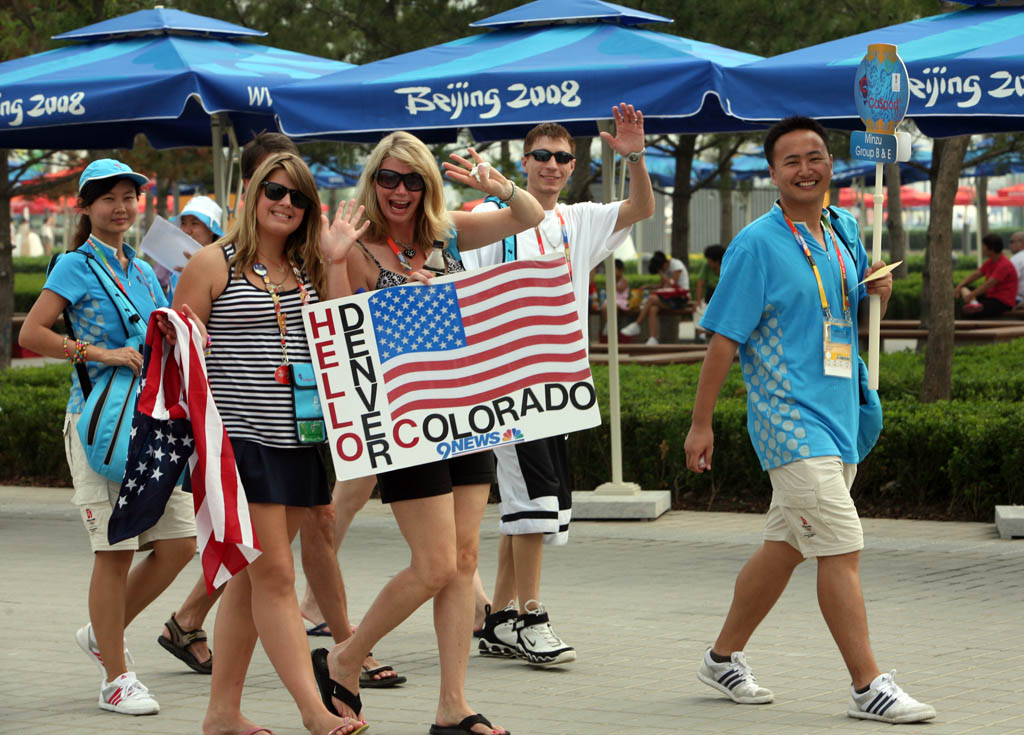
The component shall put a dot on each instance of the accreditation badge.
(839, 348)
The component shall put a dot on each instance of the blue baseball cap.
(206, 211)
(106, 168)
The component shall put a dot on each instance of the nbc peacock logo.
(512, 435)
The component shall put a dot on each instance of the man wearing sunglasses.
(534, 477)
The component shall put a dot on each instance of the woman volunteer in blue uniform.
(108, 192)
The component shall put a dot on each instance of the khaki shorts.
(811, 508)
(95, 496)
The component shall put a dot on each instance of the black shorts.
(436, 478)
(295, 477)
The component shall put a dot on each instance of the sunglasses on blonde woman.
(391, 179)
(275, 192)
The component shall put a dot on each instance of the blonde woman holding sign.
(438, 506)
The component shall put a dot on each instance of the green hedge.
(954, 459)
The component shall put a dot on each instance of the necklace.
(404, 256)
(409, 250)
(281, 373)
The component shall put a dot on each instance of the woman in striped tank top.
(438, 506)
(249, 291)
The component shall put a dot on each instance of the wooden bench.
(657, 358)
(909, 334)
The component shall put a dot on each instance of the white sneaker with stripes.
(887, 702)
(126, 695)
(734, 679)
(87, 642)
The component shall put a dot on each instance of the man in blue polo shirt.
(788, 300)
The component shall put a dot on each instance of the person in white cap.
(108, 203)
(200, 220)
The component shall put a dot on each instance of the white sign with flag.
(417, 373)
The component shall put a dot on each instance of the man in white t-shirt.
(534, 477)
(1017, 258)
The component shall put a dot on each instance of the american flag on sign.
(481, 336)
(176, 420)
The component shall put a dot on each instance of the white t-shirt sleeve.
(592, 235)
(682, 279)
(488, 254)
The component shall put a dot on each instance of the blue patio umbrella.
(180, 79)
(501, 83)
(966, 75)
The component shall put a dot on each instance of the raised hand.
(629, 130)
(338, 237)
(478, 174)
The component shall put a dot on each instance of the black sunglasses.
(544, 155)
(275, 192)
(391, 179)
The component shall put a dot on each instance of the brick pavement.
(640, 601)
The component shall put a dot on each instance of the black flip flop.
(366, 680)
(330, 688)
(463, 728)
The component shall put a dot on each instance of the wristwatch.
(635, 156)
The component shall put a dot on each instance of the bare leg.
(273, 611)
(505, 579)
(528, 551)
(481, 601)
(155, 572)
(107, 607)
(842, 605)
(758, 587)
(192, 615)
(453, 608)
(428, 525)
(322, 535)
(654, 304)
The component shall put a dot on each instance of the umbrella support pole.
(615, 499)
(875, 301)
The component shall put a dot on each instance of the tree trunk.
(579, 182)
(981, 200)
(897, 235)
(724, 197)
(680, 242)
(947, 160)
(6, 266)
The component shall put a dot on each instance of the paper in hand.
(167, 244)
(881, 271)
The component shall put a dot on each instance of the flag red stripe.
(502, 273)
(501, 349)
(493, 393)
(441, 384)
(469, 320)
(504, 287)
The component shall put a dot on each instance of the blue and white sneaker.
(734, 679)
(887, 702)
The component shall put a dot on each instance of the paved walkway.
(640, 601)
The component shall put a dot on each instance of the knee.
(272, 576)
(466, 558)
(178, 552)
(437, 571)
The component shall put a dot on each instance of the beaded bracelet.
(79, 354)
(511, 196)
(208, 346)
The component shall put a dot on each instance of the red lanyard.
(565, 238)
(402, 259)
(97, 246)
(814, 266)
(282, 321)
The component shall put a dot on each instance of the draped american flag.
(175, 408)
(484, 335)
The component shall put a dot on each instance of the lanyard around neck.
(814, 266)
(97, 247)
(565, 238)
(404, 259)
(282, 321)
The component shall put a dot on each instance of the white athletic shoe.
(631, 330)
(498, 636)
(87, 642)
(886, 701)
(652, 341)
(126, 695)
(734, 679)
(536, 642)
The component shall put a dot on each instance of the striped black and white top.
(245, 353)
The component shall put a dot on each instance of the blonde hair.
(302, 248)
(432, 221)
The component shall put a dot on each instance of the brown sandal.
(177, 645)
